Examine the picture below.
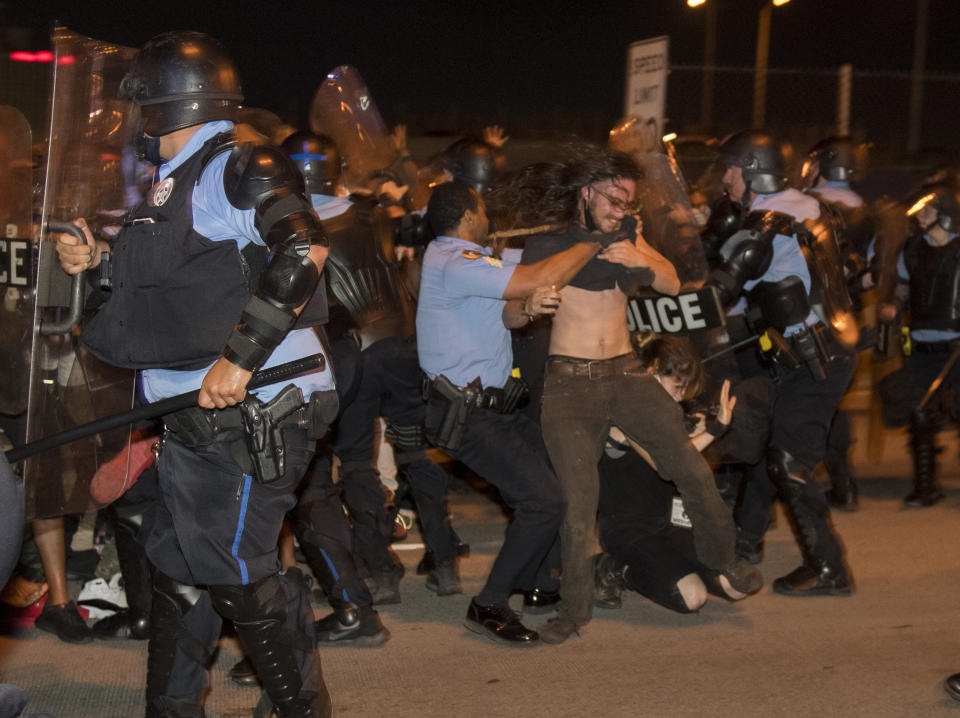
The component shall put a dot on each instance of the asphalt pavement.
(882, 652)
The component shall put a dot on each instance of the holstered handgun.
(450, 405)
(263, 424)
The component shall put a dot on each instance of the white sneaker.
(102, 598)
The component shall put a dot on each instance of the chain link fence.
(802, 105)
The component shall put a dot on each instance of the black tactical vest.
(934, 284)
(177, 295)
(363, 281)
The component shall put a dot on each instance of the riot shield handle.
(64, 326)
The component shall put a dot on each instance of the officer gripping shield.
(90, 171)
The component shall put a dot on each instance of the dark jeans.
(577, 415)
(507, 451)
(389, 386)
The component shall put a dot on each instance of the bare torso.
(591, 325)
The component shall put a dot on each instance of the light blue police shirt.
(837, 192)
(215, 218)
(328, 206)
(787, 258)
(460, 331)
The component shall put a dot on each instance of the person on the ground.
(644, 529)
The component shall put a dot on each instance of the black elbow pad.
(266, 180)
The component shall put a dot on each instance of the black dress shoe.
(352, 626)
(539, 601)
(243, 673)
(806, 581)
(65, 622)
(500, 623)
(952, 685)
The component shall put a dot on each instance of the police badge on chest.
(160, 193)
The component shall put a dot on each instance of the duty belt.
(590, 368)
(934, 347)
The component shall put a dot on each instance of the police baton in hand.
(281, 372)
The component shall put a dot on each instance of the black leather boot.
(926, 489)
(843, 486)
(823, 572)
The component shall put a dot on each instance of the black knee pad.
(264, 600)
(782, 467)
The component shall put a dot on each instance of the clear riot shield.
(668, 222)
(670, 227)
(89, 172)
(343, 110)
(17, 276)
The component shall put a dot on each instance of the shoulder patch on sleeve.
(470, 254)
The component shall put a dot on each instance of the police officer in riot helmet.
(807, 334)
(928, 270)
(826, 174)
(371, 329)
(318, 159)
(196, 305)
(474, 162)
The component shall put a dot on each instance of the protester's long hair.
(548, 193)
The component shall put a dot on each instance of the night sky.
(497, 54)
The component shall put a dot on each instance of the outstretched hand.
(727, 402)
(493, 136)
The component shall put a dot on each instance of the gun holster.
(447, 409)
(263, 425)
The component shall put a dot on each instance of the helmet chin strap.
(745, 198)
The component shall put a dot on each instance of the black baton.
(304, 365)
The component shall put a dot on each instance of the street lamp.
(709, 63)
(760, 70)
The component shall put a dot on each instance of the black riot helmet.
(760, 156)
(182, 79)
(942, 196)
(473, 162)
(836, 157)
(318, 158)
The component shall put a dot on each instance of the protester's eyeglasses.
(619, 204)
